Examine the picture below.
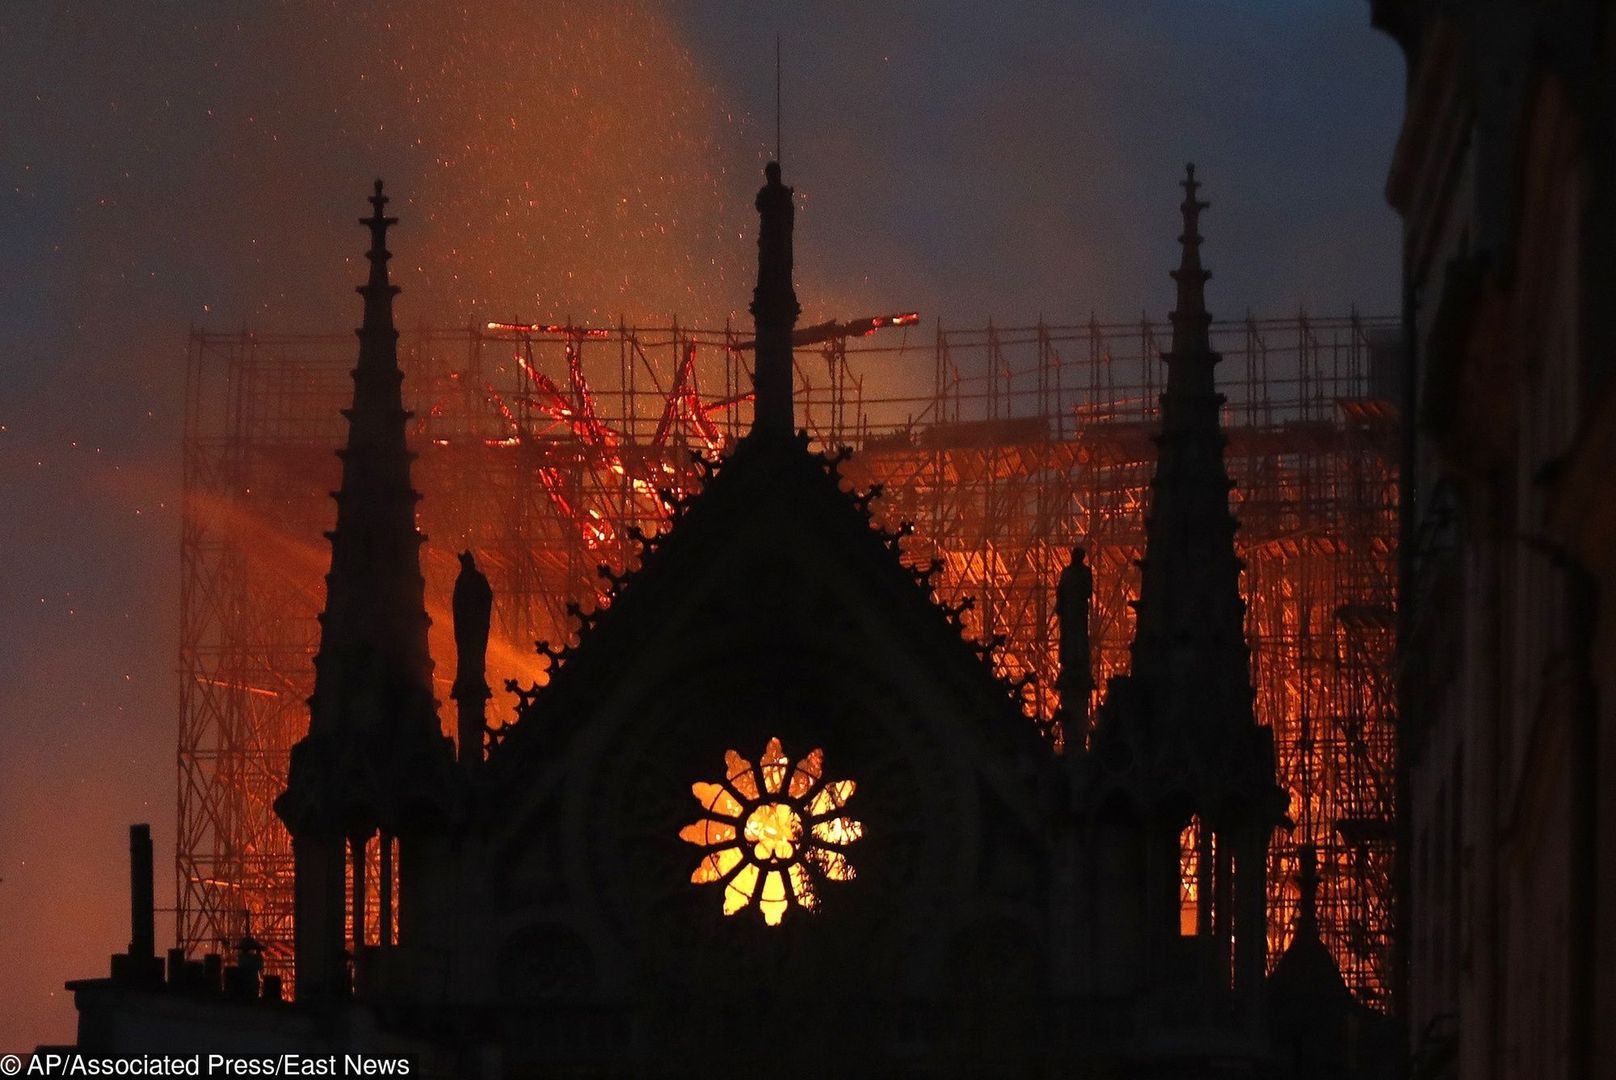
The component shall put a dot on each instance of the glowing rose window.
(776, 833)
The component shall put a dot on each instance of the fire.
(547, 483)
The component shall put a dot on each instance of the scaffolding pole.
(541, 448)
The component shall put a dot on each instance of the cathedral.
(771, 811)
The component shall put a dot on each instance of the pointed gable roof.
(1325, 1031)
(780, 511)
(773, 502)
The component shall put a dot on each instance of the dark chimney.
(213, 972)
(142, 916)
(140, 965)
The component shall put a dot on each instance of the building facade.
(1505, 177)
(771, 804)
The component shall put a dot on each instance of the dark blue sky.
(178, 164)
(1024, 160)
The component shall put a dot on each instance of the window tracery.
(775, 832)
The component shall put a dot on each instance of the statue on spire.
(774, 308)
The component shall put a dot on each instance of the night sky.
(202, 164)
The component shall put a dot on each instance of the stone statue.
(1072, 597)
(473, 604)
(774, 308)
(776, 214)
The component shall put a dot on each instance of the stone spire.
(1190, 643)
(775, 310)
(372, 704)
(1176, 744)
(1191, 322)
(375, 758)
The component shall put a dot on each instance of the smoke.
(204, 164)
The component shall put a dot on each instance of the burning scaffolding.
(542, 447)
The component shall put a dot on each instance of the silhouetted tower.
(774, 309)
(1179, 774)
(374, 743)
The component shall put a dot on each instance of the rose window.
(776, 832)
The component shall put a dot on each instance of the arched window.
(1196, 858)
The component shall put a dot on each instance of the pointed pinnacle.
(1190, 319)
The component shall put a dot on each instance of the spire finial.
(378, 223)
(774, 307)
(1191, 322)
(379, 290)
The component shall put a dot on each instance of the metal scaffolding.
(541, 446)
